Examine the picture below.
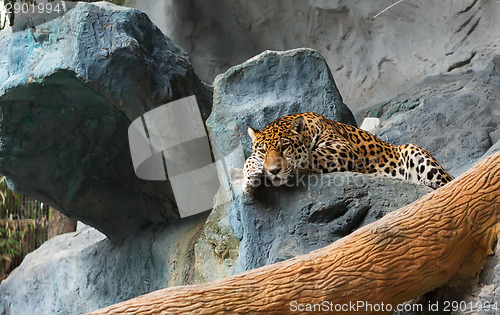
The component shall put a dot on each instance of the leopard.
(311, 143)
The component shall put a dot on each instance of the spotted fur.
(313, 143)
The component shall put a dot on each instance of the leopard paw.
(250, 184)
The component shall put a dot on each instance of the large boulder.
(69, 89)
(279, 223)
(82, 271)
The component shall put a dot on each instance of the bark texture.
(439, 239)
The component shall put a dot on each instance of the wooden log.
(439, 239)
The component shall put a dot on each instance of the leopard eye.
(285, 144)
(260, 146)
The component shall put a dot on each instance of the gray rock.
(216, 250)
(278, 223)
(80, 272)
(492, 150)
(266, 87)
(68, 92)
(117, 51)
(455, 117)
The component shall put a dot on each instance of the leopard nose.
(275, 171)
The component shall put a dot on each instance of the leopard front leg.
(252, 174)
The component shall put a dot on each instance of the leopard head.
(281, 147)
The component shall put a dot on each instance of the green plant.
(9, 200)
(10, 246)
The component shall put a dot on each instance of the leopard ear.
(298, 125)
(251, 133)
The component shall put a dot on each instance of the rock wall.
(372, 59)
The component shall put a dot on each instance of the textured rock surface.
(68, 92)
(118, 51)
(79, 272)
(458, 114)
(279, 223)
(372, 59)
(216, 250)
